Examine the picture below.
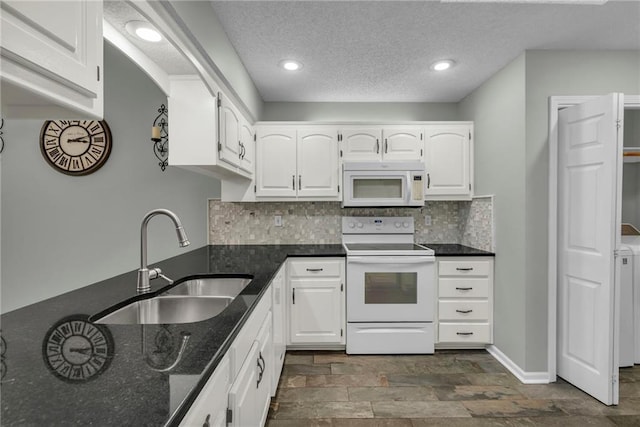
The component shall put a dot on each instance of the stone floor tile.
(291, 370)
(476, 392)
(368, 380)
(591, 406)
(625, 420)
(440, 366)
(630, 374)
(331, 357)
(629, 389)
(513, 408)
(309, 410)
(492, 379)
(373, 394)
(473, 422)
(296, 358)
(380, 366)
(287, 381)
(296, 423)
(371, 422)
(416, 409)
(551, 391)
(313, 394)
(408, 380)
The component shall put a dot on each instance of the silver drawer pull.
(464, 269)
(314, 269)
(464, 333)
(464, 311)
(464, 289)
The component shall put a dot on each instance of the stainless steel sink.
(164, 309)
(211, 286)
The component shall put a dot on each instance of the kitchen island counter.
(59, 369)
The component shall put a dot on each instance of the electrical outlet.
(427, 220)
(277, 220)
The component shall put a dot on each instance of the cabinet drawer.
(463, 287)
(463, 310)
(315, 268)
(464, 332)
(464, 268)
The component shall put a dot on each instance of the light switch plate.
(427, 220)
(277, 220)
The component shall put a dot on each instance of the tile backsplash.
(468, 223)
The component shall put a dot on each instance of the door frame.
(557, 103)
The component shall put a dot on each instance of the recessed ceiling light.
(143, 30)
(442, 65)
(290, 65)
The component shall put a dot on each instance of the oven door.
(390, 289)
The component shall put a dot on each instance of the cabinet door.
(247, 147)
(276, 162)
(265, 357)
(61, 40)
(402, 143)
(317, 158)
(229, 131)
(361, 144)
(211, 404)
(243, 395)
(316, 311)
(279, 327)
(448, 162)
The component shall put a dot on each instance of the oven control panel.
(377, 225)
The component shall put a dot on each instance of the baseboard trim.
(523, 376)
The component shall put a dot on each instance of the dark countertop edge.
(184, 407)
(456, 249)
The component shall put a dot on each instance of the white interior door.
(589, 209)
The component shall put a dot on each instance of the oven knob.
(359, 225)
(405, 224)
(397, 224)
(351, 225)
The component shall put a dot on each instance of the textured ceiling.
(118, 13)
(374, 51)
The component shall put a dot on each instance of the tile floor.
(450, 388)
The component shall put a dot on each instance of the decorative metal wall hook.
(160, 136)
(1, 137)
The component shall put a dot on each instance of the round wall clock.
(75, 147)
(76, 350)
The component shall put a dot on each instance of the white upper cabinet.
(52, 57)
(318, 170)
(381, 143)
(299, 163)
(448, 162)
(276, 162)
(206, 131)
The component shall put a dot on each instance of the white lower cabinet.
(317, 303)
(279, 310)
(465, 302)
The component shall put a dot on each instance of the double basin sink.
(192, 300)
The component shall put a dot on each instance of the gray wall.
(60, 232)
(355, 111)
(631, 171)
(557, 73)
(498, 109)
(205, 26)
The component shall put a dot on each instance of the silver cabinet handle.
(294, 295)
(464, 269)
(464, 311)
(464, 333)
(293, 181)
(386, 146)
(206, 421)
(377, 146)
(428, 180)
(464, 289)
(315, 269)
(299, 182)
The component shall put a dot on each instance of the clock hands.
(80, 350)
(79, 139)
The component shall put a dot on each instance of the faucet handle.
(154, 273)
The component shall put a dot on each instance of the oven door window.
(378, 188)
(390, 288)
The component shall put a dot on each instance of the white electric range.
(391, 293)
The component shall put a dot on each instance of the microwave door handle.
(390, 260)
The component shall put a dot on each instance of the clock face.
(75, 147)
(76, 350)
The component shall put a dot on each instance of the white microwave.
(379, 184)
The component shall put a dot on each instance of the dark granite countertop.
(127, 389)
(454, 249)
